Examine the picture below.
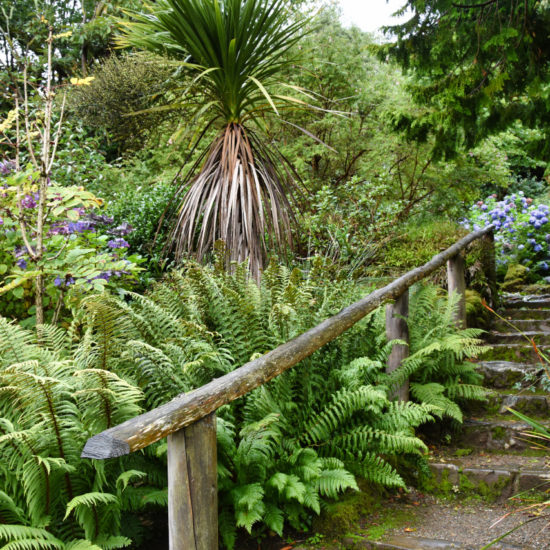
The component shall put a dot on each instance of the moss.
(463, 452)
(536, 289)
(440, 485)
(515, 272)
(389, 518)
(523, 354)
(342, 516)
(498, 432)
(515, 278)
(477, 315)
(492, 492)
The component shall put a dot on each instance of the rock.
(503, 374)
(534, 479)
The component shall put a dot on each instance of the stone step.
(504, 374)
(406, 542)
(519, 313)
(526, 402)
(533, 289)
(529, 301)
(522, 353)
(495, 483)
(523, 325)
(540, 338)
(493, 434)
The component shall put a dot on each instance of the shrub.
(522, 231)
(83, 251)
(121, 86)
(285, 449)
(50, 497)
(291, 444)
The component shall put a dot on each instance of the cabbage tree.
(240, 189)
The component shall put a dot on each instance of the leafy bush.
(416, 243)
(294, 442)
(121, 87)
(522, 231)
(81, 253)
(437, 367)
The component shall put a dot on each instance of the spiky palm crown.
(239, 190)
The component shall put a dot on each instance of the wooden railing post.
(457, 283)
(488, 262)
(397, 329)
(192, 487)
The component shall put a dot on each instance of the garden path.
(487, 472)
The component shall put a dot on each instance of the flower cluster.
(6, 167)
(82, 248)
(522, 230)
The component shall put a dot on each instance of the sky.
(370, 15)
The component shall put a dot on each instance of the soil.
(473, 524)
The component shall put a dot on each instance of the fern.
(283, 450)
(437, 367)
(50, 404)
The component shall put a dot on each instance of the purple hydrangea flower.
(28, 202)
(80, 226)
(63, 281)
(59, 229)
(7, 167)
(118, 243)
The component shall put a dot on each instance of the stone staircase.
(490, 457)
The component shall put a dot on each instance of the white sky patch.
(370, 15)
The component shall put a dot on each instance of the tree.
(480, 66)
(238, 188)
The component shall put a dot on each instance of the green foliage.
(50, 404)
(415, 243)
(284, 451)
(86, 30)
(77, 258)
(233, 53)
(438, 366)
(292, 444)
(481, 66)
(123, 86)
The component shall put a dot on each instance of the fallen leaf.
(410, 529)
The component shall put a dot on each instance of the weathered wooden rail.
(189, 422)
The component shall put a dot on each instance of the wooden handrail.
(185, 409)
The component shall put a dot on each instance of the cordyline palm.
(238, 190)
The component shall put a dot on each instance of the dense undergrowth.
(96, 213)
(284, 450)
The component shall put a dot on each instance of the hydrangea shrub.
(522, 231)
